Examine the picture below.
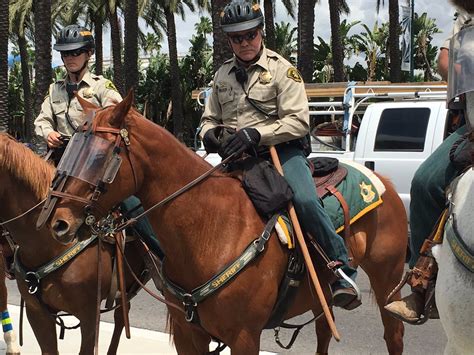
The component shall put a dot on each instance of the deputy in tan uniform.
(61, 112)
(262, 96)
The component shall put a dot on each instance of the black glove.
(211, 140)
(240, 142)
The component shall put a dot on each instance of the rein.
(175, 194)
(23, 214)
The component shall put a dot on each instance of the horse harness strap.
(190, 300)
(175, 194)
(459, 248)
(33, 278)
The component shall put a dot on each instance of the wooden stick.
(307, 257)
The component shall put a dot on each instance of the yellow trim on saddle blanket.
(362, 213)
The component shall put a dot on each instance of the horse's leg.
(118, 327)
(88, 330)
(189, 339)
(247, 342)
(323, 334)
(44, 328)
(8, 333)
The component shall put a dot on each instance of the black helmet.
(74, 37)
(241, 15)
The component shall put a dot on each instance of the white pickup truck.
(394, 127)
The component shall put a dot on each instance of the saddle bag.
(267, 189)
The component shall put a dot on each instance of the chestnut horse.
(208, 227)
(24, 182)
(9, 335)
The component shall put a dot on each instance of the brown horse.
(24, 182)
(208, 227)
(9, 335)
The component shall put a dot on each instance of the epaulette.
(96, 77)
(228, 60)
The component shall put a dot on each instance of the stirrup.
(343, 275)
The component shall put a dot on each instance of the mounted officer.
(428, 199)
(260, 98)
(61, 112)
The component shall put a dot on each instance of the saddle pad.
(360, 193)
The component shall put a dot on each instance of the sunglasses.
(75, 53)
(249, 36)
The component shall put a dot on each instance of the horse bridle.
(90, 204)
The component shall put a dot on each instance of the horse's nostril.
(60, 227)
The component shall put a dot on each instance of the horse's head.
(97, 157)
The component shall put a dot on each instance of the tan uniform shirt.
(93, 88)
(274, 85)
(461, 20)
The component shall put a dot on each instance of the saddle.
(327, 174)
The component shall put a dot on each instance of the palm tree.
(131, 45)
(116, 44)
(336, 7)
(285, 41)
(4, 66)
(269, 11)
(306, 38)
(393, 39)
(424, 28)
(221, 49)
(20, 23)
(43, 57)
(372, 43)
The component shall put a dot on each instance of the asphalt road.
(361, 329)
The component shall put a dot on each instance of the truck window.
(402, 129)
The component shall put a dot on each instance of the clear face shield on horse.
(461, 73)
(90, 159)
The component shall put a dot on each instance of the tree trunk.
(222, 50)
(270, 39)
(4, 66)
(336, 41)
(99, 52)
(306, 38)
(393, 38)
(131, 46)
(176, 93)
(25, 76)
(115, 37)
(43, 57)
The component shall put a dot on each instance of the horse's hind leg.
(118, 327)
(383, 280)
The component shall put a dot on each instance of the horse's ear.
(86, 105)
(120, 110)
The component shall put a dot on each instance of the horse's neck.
(18, 198)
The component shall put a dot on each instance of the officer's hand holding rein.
(240, 142)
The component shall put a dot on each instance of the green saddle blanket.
(359, 193)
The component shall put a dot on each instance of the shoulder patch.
(110, 85)
(294, 74)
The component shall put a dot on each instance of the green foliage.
(196, 69)
(16, 101)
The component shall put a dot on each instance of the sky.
(363, 10)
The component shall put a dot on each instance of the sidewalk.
(142, 341)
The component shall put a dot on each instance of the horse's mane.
(25, 165)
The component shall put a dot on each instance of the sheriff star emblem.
(265, 77)
(366, 192)
(87, 93)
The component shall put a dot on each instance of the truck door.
(399, 138)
